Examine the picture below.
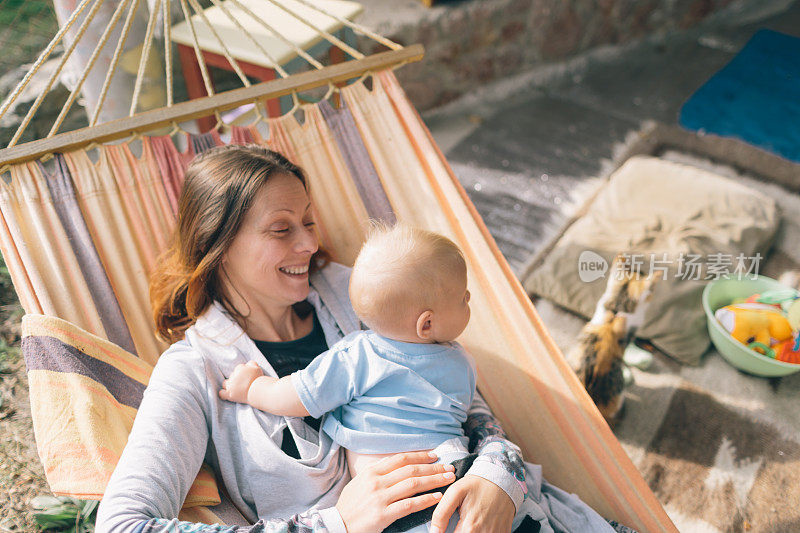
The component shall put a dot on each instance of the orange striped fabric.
(48, 269)
(84, 395)
(123, 233)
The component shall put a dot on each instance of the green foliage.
(20, 10)
(62, 513)
(8, 356)
(5, 277)
(26, 26)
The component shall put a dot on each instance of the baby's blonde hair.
(400, 272)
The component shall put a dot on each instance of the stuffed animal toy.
(782, 299)
(793, 314)
(761, 325)
(788, 351)
(597, 358)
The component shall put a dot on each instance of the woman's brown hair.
(219, 188)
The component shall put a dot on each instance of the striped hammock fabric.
(81, 239)
(97, 387)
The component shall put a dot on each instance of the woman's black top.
(291, 356)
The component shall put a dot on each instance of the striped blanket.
(84, 394)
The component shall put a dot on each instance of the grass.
(12, 11)
(26, 26)
(21, 474)
(65, 514)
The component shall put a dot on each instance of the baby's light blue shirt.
(387, 396)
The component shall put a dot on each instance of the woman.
(244, 279)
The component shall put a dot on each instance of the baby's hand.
(234, 389)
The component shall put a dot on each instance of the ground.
(528, 150)
(21, 473)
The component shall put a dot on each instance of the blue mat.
(755, 97)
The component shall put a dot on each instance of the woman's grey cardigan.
(182, 423)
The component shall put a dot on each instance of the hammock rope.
(366, 32)
(114, 61)
(328, 37)
(316, 64)
(156, 119)
(235, 64)
(163, 6)
(255, 42)
(42, 58)
(148, 44)
(198, 54)
(40, 98)
(85, 74)
(168, 52)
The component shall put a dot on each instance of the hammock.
(81, 236)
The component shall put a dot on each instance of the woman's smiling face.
(268, 259)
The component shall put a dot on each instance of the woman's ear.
(424, 325)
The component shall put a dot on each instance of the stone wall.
(472, 42)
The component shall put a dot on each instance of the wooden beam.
(163, 117)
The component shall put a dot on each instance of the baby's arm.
(248, 384)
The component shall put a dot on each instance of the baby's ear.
(424, 328)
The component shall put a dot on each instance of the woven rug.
(719, 448)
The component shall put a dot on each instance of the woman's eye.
(310, 224)
(281, 230)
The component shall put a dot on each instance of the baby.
(403, 385)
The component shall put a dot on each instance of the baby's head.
(410, 285)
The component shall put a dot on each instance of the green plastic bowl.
(722, 292)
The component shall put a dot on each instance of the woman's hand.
(482, 506)
(234, 389)
(385, 491)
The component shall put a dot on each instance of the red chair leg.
(336, 55)
(195, 86)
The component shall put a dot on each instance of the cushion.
(650, 208)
